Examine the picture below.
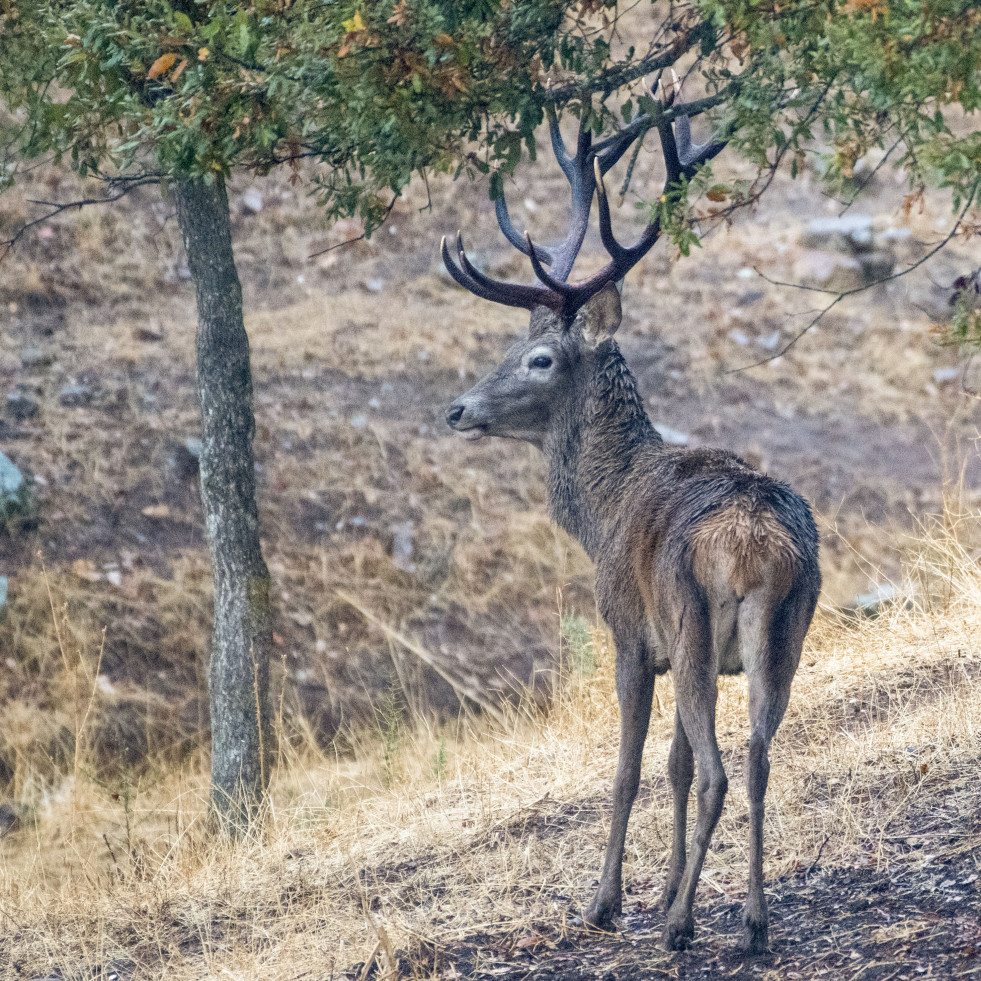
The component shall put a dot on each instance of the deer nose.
(454, 414)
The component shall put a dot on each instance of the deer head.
(570, 322)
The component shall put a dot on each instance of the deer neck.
(593, 450)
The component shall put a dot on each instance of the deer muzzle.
(461, 419)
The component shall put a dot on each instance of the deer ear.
(600, 317)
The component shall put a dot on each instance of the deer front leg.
(681, 771)
(635, 688)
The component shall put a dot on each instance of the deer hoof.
(600, 915)
(755, 938)
(679, 934)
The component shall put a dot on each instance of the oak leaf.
(353, 25)
(161, 65)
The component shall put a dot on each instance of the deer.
(704, 566)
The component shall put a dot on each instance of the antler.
(498, 291)
(579, 172)
(585, 172)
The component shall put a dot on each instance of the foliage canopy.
(377, 90)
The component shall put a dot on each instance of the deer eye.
(540, 361)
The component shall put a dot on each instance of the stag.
(704, 566)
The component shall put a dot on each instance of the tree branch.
(126, 185)
(858, 289)
(363, 235)
(614, 78)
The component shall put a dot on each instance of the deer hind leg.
(681, 771)
(771, 644)
(696, 693)
(635, 688)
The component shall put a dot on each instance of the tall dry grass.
(420, 835)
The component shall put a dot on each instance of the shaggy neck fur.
(592, 449)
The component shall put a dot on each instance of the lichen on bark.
(239, 670)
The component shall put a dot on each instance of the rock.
(849, 233)
(749, 298)
(18, 503)
(769, 342)
(11, 479)
(76, 396)
(830, 272)
(186, 458)
(892, 236)
(8, 820)
(871, 604)
(34, 356)
(876, 265)
(672, 436)
(22, 406)
(402, 547)
(252, 201)
(149, 334)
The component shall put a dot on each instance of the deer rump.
(731, 542)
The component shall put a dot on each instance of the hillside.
(365, 493)
(466, 850)
(444, 710)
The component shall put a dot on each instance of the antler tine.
(693, 155)
(512, 234)
(612, 246)
(610, 150)
(497, 291)
(555, 285)
(579, 173)
(558, 144)
(683, 157)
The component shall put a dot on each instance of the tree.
(899, 76)
(910, 77)
(180, 93)
(371, 92)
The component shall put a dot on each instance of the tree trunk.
(239, 672)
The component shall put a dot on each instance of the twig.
(112, 854)
(58, 208)
(363, 235)
(613, 79)
(817, 858)
(858, 289)
(868, 180)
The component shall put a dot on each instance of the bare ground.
(447, 846)
(356, 353)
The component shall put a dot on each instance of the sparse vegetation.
(442, 835)
(481, 861)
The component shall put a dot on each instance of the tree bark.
(239, 669)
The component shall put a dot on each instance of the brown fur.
(744, 545)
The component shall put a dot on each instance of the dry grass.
(385, 830)
(425, 837)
